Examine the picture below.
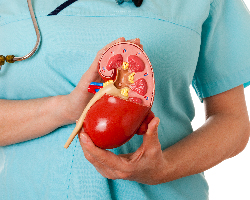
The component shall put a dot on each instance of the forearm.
(221, 137)
(22, 120)
(28, 119)
(225, 134)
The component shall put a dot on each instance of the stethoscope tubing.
(32, 14)
(37, 34)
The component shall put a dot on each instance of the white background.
(229, 180)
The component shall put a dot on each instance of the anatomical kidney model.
(122, 102)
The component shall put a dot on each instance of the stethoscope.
(136, 2)
(12, 58)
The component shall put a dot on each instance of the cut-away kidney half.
(122, 102)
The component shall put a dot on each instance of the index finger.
(121, 39)
(102, 156)
(144, 126)
(136, 41)
(100, 52)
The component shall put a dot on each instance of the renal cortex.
(122, 102)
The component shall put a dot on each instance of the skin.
(41, 116)
(109, 89)
(224, 134)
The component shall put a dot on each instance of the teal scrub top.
(201, 43)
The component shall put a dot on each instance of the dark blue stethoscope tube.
(136, 2)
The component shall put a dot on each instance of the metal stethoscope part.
(11, 58)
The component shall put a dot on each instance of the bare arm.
(28, 119)
(225, 134)
(22, 120)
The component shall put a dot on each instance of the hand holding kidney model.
(122, 102)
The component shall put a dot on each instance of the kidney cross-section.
(123, 101)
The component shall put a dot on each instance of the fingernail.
(133, 40)
(83, 138)
(121, 39)
(158, 123)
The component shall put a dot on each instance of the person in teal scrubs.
(201, 43)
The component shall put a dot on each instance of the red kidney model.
(122, 102)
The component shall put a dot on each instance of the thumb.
(150, 140)
(151, 136)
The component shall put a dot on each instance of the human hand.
(144, 126)
(79, 97)
(146, 165)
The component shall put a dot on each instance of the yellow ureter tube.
(109, 89)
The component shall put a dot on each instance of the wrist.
(66, 110)
(72, 106)
(174, 169)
